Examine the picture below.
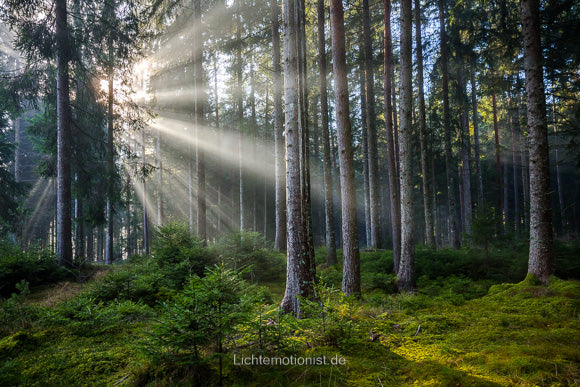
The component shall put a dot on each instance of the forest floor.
(455, 332)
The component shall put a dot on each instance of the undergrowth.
(159, 320)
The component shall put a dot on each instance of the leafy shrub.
(252, 253)
(15, 314)
(35, 267)
(86, 316)
(179, 254)
(209, 310)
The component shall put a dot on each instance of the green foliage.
(35, 267)
(132, 282)
(252, 253)
(178, 254)
(85, 316)
(15, 314)
(209, 310)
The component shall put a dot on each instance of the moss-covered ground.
(456, 331)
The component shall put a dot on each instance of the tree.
(351, 254)
(199, 120)
(427, 203)
(450, 174)
(406, 273)
(63, 190)
(371, 128)
(280, 239)
(541, 258)
(391, 155)
(299, 279)
(328, 187)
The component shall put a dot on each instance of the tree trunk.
(200, 102)
(406, 274)
(498, 164)
(514, 167)
(90, 244)
(351, 254)
(371, 130)
(220, 160)
(541, 259)
(476, 138)
(145, 215)
(395, 203)
(240, 117)
(63, 191)
(365, 156)
(305, 139)
(328, 185)
(558, 180)
(427, 207)
(450, 173)
(299, 280)
(465, 147)
(110, 10)
(280, 239)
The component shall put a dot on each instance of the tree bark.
(371, 130)
(109, 244)
(450, 172)
(145, 215)
(476, 150)
(500, 213)
(406, 274)
(427, 207)
(280, 239)
(467, 209)
(541, 259)
(351, 254)
(513, 130)
(395, 204)
(63, 191)
(299, 280)
(365, 156)
(558, 179)
(328, 185)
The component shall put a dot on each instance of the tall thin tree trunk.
(541, 260)
(525, 180)
(450, 173)
(220, 151)
(406, 274)
(365, 157)
(299, 280)
(254, 125)
(427, 205)
(351, 254)
(63, 191)
(465, 147)
(476, 155)
(280, 168)
(328, 185)
(506, 213)
(90, 244)
(240, 117)
(514, 167)
(395, 203)
(498, 163)
(371, 130)
(199, 121)
(159, 179)
(305, 139)
(558, 180)
(145, 215)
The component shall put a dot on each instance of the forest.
(289, 192)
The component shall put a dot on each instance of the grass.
(464, 330)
